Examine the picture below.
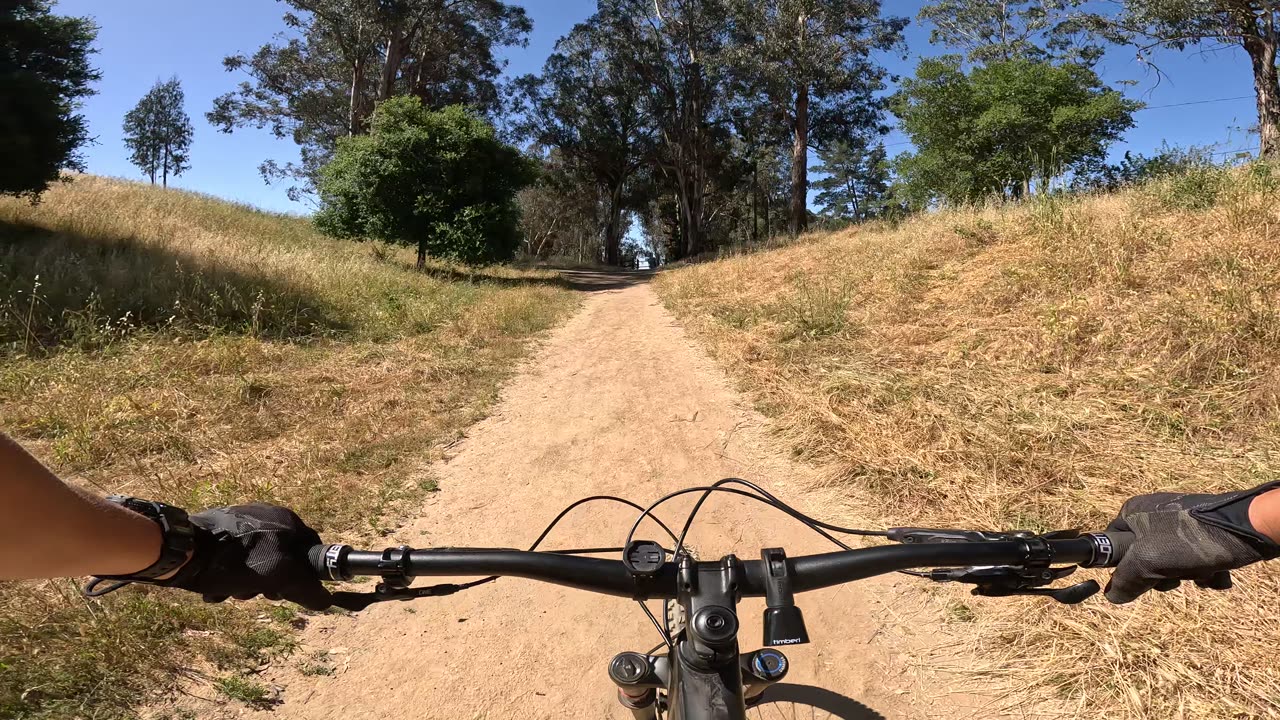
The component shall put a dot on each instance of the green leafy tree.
(439, 179)
(856, 179)
(587, 106)
(996, 30)
(815, 58)
(1003, 127)
(1251, 25)
(320, 79)
(158, 132)
(44, 76)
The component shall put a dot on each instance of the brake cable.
(762, 496)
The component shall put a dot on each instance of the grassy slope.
(1032, 367)
(185, 349)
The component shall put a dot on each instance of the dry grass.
(1031, 367)
(192, 351)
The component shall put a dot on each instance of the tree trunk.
(419, 88)
(422, 253)
(612, 230)
(689, 195)
(393, 59)
(800, 164)
(755, 199)
(355, 112)
(166, 165)
(1266, 85)
(768, 228)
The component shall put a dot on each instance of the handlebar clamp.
(1039, 558)
(394, 568)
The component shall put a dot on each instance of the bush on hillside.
(438, 179)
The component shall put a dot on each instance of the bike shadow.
(786, 696)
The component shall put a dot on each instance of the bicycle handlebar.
(611, 577)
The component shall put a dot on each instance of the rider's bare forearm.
(51, 529)
(1264, 514)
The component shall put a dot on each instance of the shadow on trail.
(482, 275)
(580, 280)
(601, 280)
(806, 701)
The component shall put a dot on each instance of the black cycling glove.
(1187, 537)
(248, 550)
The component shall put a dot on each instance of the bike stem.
(703, 676)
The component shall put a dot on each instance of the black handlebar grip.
(1109, 548)
(329, 561)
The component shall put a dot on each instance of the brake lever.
(1007, 581)
(357, 601)
(1070, 595)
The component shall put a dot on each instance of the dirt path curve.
(617, 401)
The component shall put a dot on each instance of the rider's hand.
(250, 550)
(1187, 537)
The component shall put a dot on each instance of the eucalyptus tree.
(587, 105)
(816, 58)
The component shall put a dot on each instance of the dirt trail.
(618, 401)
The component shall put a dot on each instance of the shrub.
(438, 179)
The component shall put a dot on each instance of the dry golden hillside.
(1031, 367)
(172, 346)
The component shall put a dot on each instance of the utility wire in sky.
(1196, 102)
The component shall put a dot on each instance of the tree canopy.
(995, 30)
(438, 179)
(321, 78)
(45, 73)
(814, 58)
(1003, 127)
(158, 132)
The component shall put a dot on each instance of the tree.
(995, 30)
(320, 79)
(857, 179)
(1252, 25)
(559, 214)
(158, 132)
(439, 179)
(815, 58)
(671, 47)
(1002, 127)
(587, 106)
(44, 76)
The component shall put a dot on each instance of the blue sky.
(142, 40)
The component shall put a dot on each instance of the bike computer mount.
(1029, 578)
